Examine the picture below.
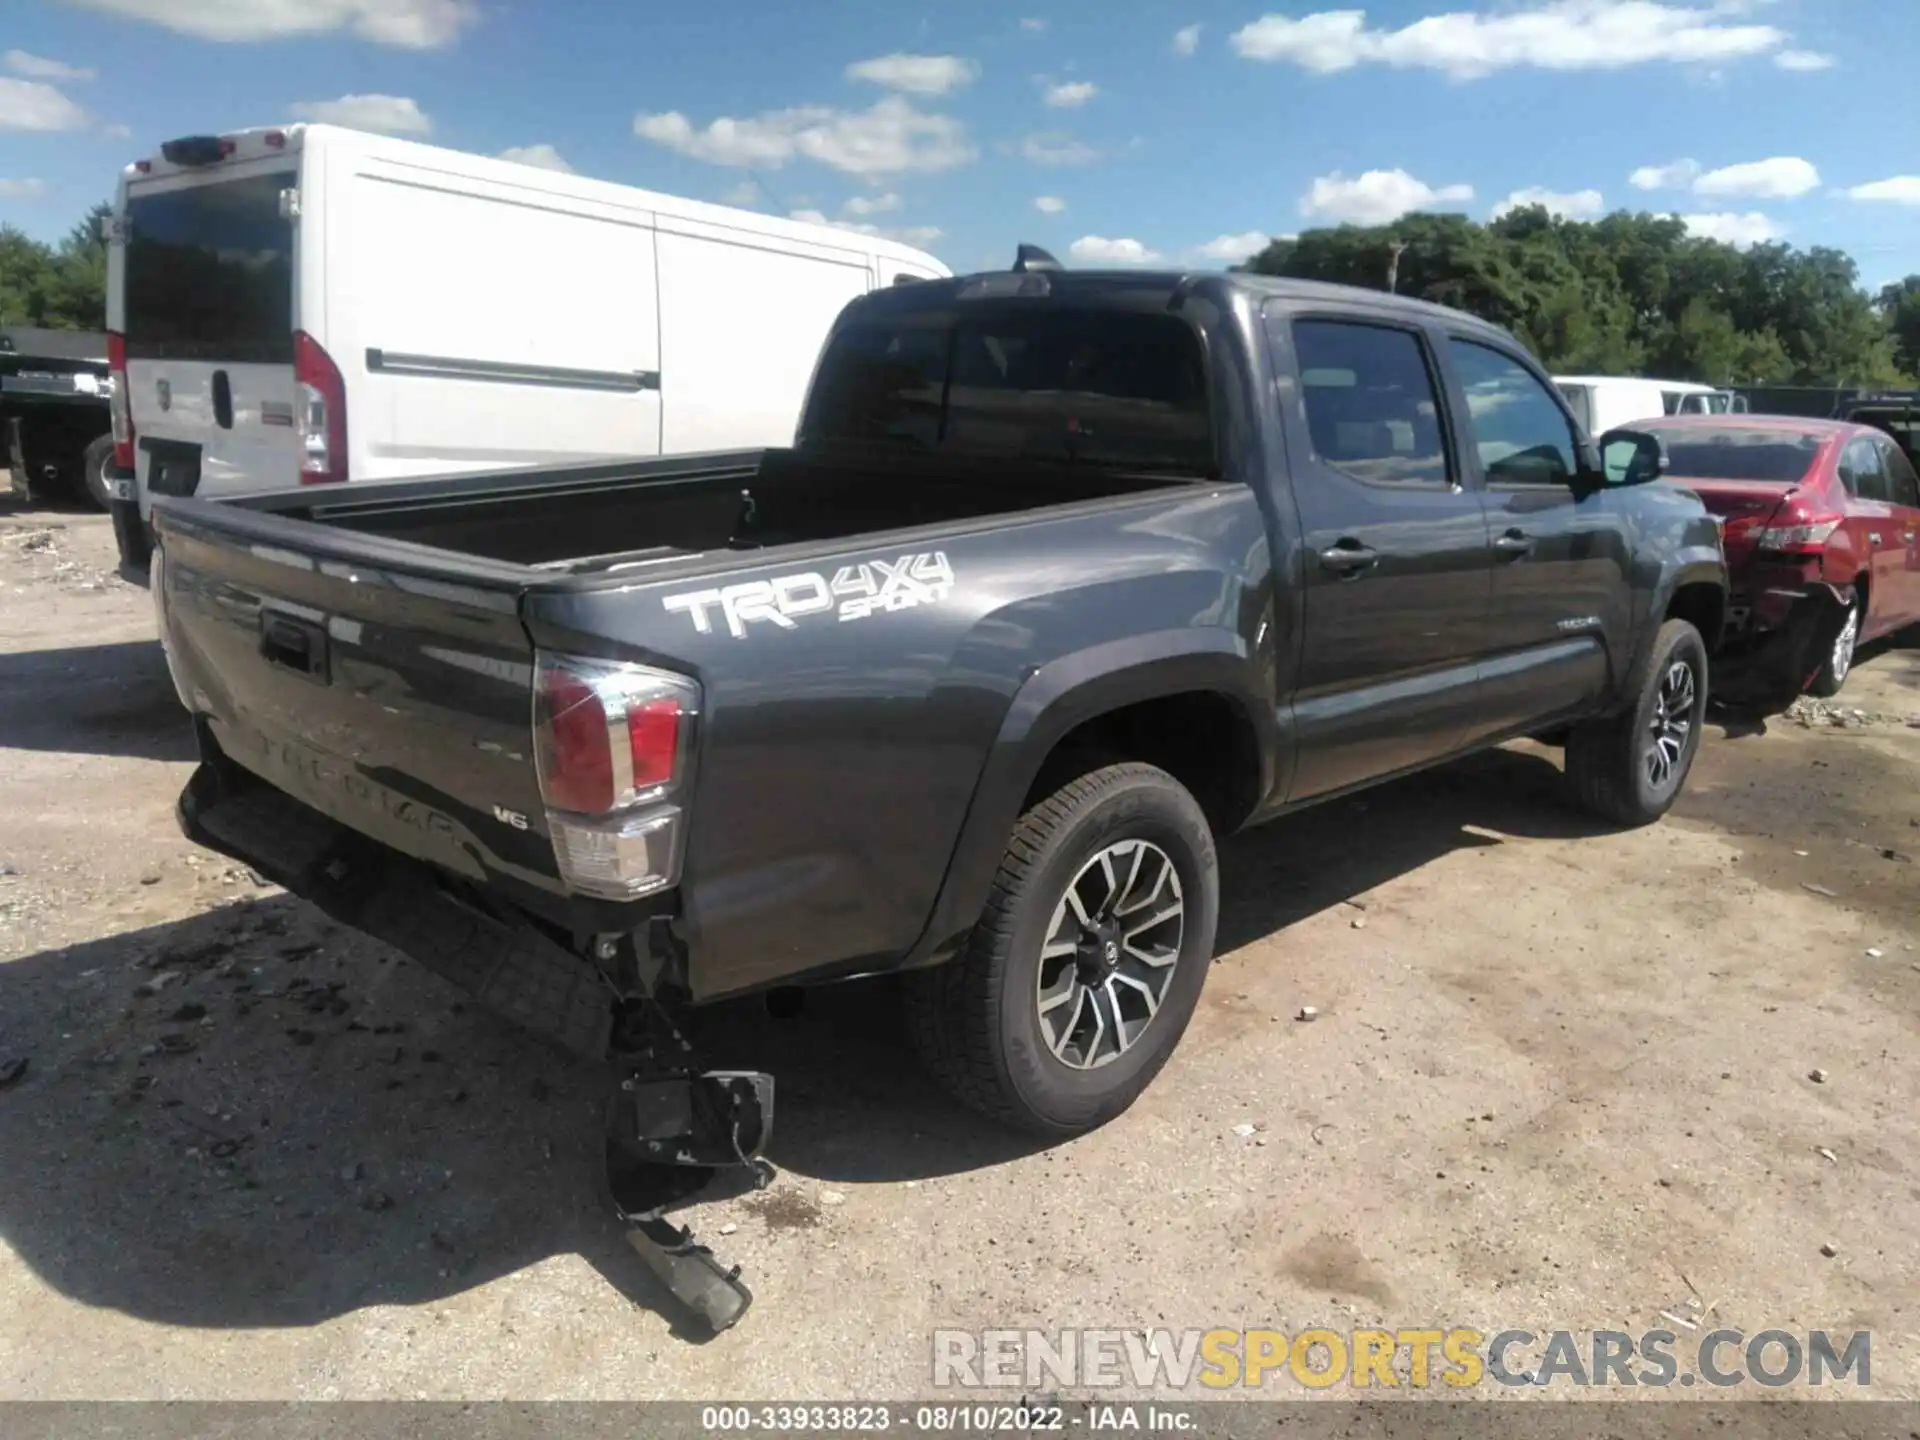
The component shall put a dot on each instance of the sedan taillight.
(1801, 535)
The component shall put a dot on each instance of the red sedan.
(1801, 503)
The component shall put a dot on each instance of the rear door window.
(209, 272)
(1903, 487)
(1863, 472)
(1372, 408)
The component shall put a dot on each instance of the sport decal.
(855, 592)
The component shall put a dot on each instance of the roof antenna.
(1032, 257)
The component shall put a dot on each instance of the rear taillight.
(1800, 534)
(612, 744)
(120, 403)
(321, 414)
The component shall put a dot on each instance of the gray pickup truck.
(1066, 576)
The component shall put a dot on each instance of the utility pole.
(1393, 267)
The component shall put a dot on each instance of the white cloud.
(1780, 178)
(117, 131)
(1098, 250)
(30, 105)
(1559, 35)
(38, 67)
(1070, 93)
(873, 204)
(1752, 228)
(745, 194)
(1049, 204)
(908, 235)
(892, 138)
(1057, 148)
(542, 155)
(1676, 176)
(1803, 60)
(28, 189)
(1033, 24)
(1899, 190)
(387, 114)
(1577, 205)
(916, 74)
(411, 24)
(1186, 40)
(1232, 249)
(1375, 197)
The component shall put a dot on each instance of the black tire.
(93, 469)
(976, 1020)
(1839, 662)
(1608, 760)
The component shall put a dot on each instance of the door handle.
(1348, 558)
(1512, 545)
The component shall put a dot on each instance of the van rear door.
(209, 325)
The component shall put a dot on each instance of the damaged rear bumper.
(1789, 633)
(669, 1127)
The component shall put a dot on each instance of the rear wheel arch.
(1084, 711)
(1702, 604)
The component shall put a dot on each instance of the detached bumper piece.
(668, 1132)
(669, 1127)
(1771, 668)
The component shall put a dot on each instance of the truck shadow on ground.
(254, 1117)
(115, 699)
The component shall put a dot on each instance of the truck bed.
(623, 516)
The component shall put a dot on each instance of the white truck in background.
(308, 305)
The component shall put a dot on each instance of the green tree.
(1900, 312)
(1633, 294)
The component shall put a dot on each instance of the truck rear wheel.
(1630, 768)
(1085, 967)
(93, 469)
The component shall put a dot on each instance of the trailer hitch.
(670, 1129)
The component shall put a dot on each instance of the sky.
(1183, 132)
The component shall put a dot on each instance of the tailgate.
(394, 697)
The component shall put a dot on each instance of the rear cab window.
(1106, 388)
(209, 271)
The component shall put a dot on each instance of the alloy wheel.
(1844, 645)
(1110, 953)
(1672, 724)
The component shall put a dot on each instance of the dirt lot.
(1560, 1078)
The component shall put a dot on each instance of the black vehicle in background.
(1896, 412)
(1066, 577)
(55, 394)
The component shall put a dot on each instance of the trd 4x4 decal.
(854, 593)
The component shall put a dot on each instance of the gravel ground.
(1558, 1078)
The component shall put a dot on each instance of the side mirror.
(1631, 457)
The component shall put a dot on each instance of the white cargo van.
(1607, 402)
(311, 305)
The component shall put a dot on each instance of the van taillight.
(321, 413)
(611, 745)
(120, 403)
